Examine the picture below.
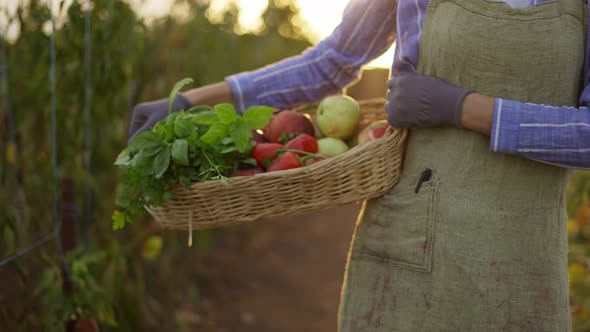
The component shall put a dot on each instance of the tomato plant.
(131, 61)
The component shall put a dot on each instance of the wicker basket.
(365, 171)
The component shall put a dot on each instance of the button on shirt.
(367, 30)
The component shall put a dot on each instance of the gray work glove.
(146, 115)
(418, 101)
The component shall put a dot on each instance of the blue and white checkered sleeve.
(555, 135)
(367, 30)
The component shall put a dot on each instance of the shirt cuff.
(505, 124)
(243, 89)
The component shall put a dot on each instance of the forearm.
(211, 94)
(477, 113)
(556, 135)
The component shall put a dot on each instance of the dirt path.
(281, 276)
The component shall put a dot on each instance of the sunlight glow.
(324, 16)
(321, 17)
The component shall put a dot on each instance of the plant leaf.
(106, 314)
(180, 152)
(47, 280)
(167, 196)
(124, 158)
(193, 140)
(216, 133)
(179, 85)
(161, 162)
(146, 140)
(249, 161)
(152, 151)
(184, 181)
(119, 220)
(242, 135)
(165, 131)
(183, 126)
(257, 117)
(227, 141)
(123, 197)
(144, 160)
(205, 118)
(227, 113)
(229, 149)
(199, 109)
(168, 121)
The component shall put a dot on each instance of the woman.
(473, 236)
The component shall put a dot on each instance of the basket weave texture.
(364, 172)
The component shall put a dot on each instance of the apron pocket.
(398, 228)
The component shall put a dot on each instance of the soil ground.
(280, 275)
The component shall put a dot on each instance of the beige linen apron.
(482, 245)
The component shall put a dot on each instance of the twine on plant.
(190, 227)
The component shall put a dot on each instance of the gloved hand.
(146, 115)
(419, 101)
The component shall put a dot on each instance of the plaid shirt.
(556, 135)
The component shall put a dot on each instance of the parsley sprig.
(199, 144)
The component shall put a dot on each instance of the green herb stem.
(213, 165)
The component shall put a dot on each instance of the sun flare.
(321, 17)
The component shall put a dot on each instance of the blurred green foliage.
(578, 229)
(118, 279)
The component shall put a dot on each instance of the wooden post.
(68, 234)
(69, 224)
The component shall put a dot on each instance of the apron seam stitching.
(515, 19)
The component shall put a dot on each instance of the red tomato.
(86, 325)
(287, 160)
(265, 152)
(258, 138)
(303, 142)
(248, 172)
(286, 124)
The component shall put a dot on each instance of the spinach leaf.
(183, 126)
(215, 134)
(161, 162)
(184, 181)
(205, 118)
(124, 158)
(180, 152)
(242, 134)
(257, 117)
(145, 140)
(227, 113)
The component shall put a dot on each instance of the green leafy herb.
(241, 134)
(182, 127)
(205, 118)
(215, 134)
(180, 152)
(177, 87)
(227, 113)
(161, 162)
(257, 116)
(200, 144)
